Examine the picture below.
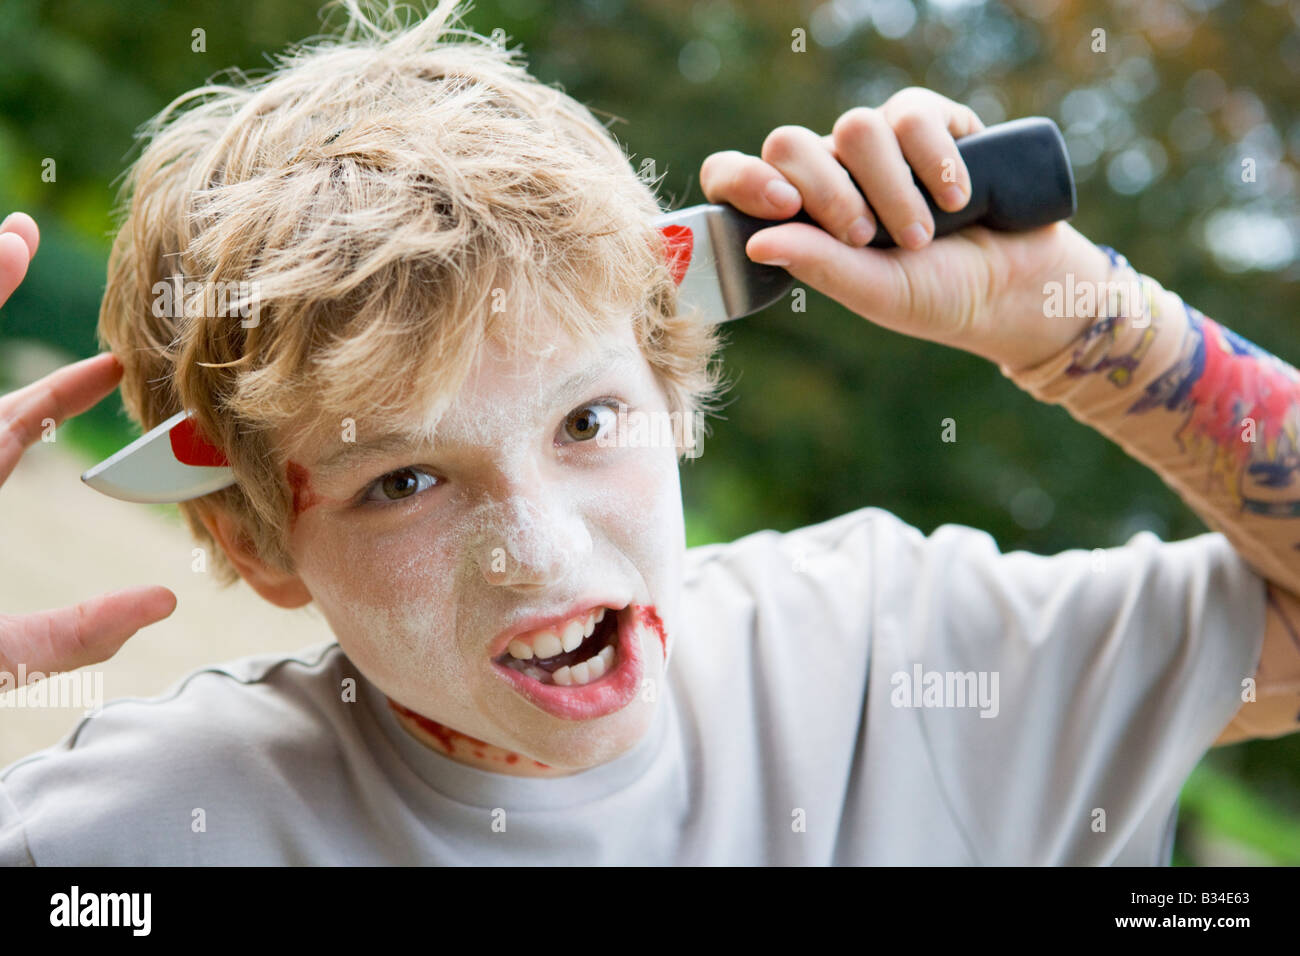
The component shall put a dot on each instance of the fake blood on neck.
(450, 740)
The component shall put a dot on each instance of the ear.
(282, 588)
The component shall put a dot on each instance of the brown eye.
(400, 484)
(584, 424)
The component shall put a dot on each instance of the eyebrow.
(392, 442)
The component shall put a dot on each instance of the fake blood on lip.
(648, 618)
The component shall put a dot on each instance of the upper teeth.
(558, 639)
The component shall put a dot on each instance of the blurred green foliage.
(829, 412)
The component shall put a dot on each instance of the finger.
(868, 281)
(927, 127)
(749, 184)
(84, 633)
(866, 144)
(829, 195)
(61, 394)
(24, 226)
(960, 119)
(14, 257)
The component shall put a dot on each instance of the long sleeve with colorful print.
(1215, 416)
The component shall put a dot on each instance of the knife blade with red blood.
(1020, 179)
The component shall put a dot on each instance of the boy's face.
(436, 567)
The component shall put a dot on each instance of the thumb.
(869, 281)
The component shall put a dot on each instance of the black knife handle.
(1020, 180)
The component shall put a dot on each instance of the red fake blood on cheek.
(648, 617)
(300, 484)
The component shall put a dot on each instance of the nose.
(529, 541)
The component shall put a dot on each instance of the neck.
(469, 750)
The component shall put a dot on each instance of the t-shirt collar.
(482, 788)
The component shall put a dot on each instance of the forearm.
(1215, 416)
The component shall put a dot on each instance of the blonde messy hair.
(374, 188)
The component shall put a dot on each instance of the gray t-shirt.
(814, 715)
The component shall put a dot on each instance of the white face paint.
(507, 518)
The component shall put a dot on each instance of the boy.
(459, 287)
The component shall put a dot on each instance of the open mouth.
(579, 653)
(587, 666)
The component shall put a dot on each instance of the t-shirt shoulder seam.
(70, 740)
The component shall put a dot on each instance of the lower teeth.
(605, 662)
